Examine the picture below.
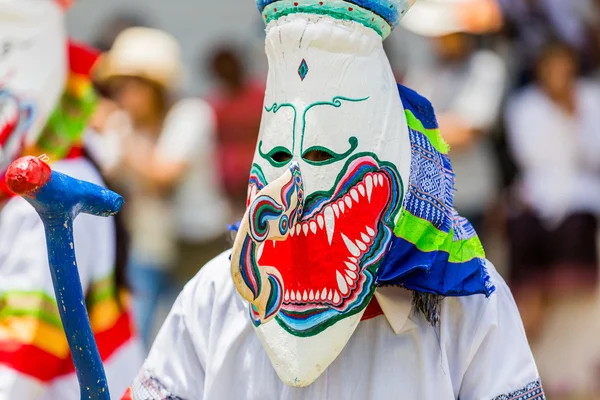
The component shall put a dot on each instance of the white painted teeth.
(361, 245)
(320, 221)
(345, 282)
(341, 283)
(336, 210)
(349, 273)
(370, 231)
(348, 201)
(369, 184)
(361, 189)
(351, 246)
(365, 238)
(329, 223)
(350, 265)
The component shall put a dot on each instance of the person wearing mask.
(237, 103)
(466, 86)
(351, 275)
(36, 67)
(554, 137)
(165, 160)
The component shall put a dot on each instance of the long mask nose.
(272, 213)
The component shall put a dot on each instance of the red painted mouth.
(321, 260)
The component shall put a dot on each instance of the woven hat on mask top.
(380, 15)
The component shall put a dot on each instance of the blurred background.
(515, 84)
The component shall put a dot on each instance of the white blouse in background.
(207, 349)
(558, 153)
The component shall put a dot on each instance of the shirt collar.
(396, 304)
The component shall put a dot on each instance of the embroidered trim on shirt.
(147, 387)
(532, 391)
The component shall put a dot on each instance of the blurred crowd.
(516, 86)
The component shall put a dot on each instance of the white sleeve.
(523, 122)
(589, 141)
(187, 132)
(500, 362)
(175, 366)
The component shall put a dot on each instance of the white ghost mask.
(350, 188)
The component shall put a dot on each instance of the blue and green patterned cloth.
(433, 250)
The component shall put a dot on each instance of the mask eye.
(281, 156)
(318, 156)
(277, 157)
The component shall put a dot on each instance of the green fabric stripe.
(432, 134)
(358, 14)
(428, 238)
(43, 296)
(101, 290)
(19, 304)
(97, 296)
(49, 318)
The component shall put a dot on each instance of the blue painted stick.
(58, 199)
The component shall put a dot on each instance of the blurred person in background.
(466, 86)
(166, 161)
(114, 25)
(531, 23)
(35, 69)
(554, 136)
(237, 103)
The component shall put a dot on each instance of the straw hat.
(145, 53)
(443, 17)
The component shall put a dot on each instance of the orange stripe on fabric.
(32, 331)
(33, 348)
(104, 315)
